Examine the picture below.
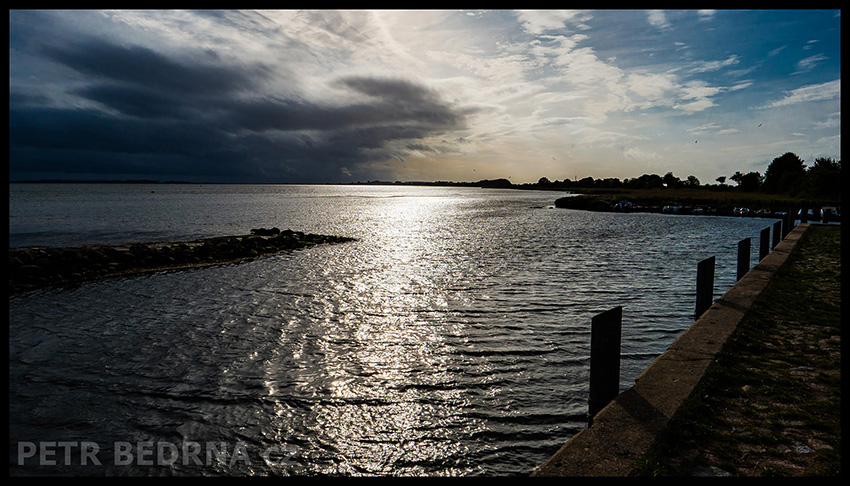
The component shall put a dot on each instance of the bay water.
(450, 339)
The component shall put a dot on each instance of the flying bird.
(759, 124)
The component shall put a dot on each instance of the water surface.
(452, 338)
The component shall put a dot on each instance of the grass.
(701, 197)
(770, 406)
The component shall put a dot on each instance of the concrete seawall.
(626, 428)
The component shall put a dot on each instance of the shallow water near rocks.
(452, 338)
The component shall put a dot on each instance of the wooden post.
(605, 333)
(777, 233)
(705, 286)
(788, 223)
(764, 243)
(743, 257)
(804, 215)
(792, 217)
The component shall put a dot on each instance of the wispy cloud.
(809, 63)
(810, 44)
(813, 92)
(712, 127)
(776, 51)
(706, 66)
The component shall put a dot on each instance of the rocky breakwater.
(35, 267)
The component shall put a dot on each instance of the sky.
(300, 96)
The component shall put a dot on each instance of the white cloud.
(698, 90)
(812, 92)
(712, 128)
(695, 96)
(741, 85)
(706, 14)
(658, 19)
(637, 153)
(704, 128)
(693, 106)
(651, 86)
(833, 121)
(649, 90)
(540, 21)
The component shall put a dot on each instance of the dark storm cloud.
(393, 102)
(198, 117)
(87, 129)
(138, 101)
(142, 66)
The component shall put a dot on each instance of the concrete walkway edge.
(625, 430)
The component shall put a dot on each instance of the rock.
(802, 448)
(25, 257)
(34, 267)
(28, 271)
(42, 261)
(140, 250)
(265, 232)
(710, 471)
(117, 253)
(253, 242)
(15, 262)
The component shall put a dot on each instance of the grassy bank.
(603, 199)
(771, 404)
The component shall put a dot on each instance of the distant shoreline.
(685, 201)
(103, 181)
(713, 198)
(109, 181)
(499, 183)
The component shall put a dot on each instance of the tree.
(721, 180)
(748, 182)
(692, 181)
(544, 181)
(785, 174)
(736, 177)
(608, 182)
(670, 180)
(646, 181)
(585, 182)
(823, 179)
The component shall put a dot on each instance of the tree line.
(786, 175)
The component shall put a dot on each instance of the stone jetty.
(36, 267)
